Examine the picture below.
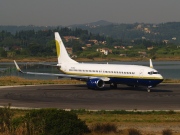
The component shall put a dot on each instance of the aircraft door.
(141, 73)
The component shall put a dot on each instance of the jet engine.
(95, 83)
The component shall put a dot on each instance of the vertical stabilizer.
(62, 54)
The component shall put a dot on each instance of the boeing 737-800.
(97, 75)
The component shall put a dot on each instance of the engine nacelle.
(95, 83)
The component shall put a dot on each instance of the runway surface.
(162, 97)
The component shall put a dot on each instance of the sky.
(68, 12)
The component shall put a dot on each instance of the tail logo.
(58, 48)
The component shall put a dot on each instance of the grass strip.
(14, 80)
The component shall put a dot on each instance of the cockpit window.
(152, 72)
(155, 73)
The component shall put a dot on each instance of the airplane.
(97, 75)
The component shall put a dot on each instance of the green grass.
(123, 122)
(13, 80)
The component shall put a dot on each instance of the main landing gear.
(113, 85)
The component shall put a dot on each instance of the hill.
(169, 31)
(13, 29)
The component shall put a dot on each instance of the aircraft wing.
(59, 75)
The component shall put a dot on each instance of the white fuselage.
(110, 70)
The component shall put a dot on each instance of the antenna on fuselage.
(151, 65)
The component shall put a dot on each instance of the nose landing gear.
(149, 88)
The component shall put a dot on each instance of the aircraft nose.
(161, 78)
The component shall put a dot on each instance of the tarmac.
(163, 97)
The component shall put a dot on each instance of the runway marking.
(11, 86)
(30, 108)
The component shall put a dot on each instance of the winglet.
(151, 65)
(17, 67)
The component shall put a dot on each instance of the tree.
(77, 47)
(3, 53)
(54, 122)
(35, 49)
(6, 119)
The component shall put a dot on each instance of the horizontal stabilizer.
(50, 65)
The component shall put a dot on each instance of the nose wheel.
(149, 88)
